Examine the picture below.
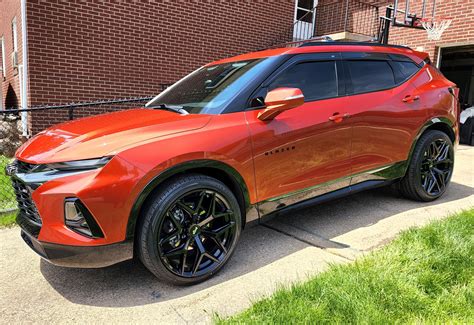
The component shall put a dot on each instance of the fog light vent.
(80, 220)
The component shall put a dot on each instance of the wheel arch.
(442, 124)
(216, 169)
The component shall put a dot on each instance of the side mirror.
(280, 100)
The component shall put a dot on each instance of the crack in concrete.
(330, 251)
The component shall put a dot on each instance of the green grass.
(7, 220)
(7, 196)
(426, 275)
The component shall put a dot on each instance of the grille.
(24, 167)
(25, 202)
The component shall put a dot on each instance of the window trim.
(348, 80)
(298, 59)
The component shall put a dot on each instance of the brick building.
(84, 50)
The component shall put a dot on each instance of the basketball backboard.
(409, 13)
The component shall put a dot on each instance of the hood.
(106, 134)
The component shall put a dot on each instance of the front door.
(304, 20)
(303, 150)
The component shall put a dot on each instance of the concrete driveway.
(286, 249)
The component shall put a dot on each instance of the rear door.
(301, 148)
(384, 107)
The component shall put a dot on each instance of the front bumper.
(80, 256)
(74, 256)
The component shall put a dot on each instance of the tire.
(430, 169)
(181, 238)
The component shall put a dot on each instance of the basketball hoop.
(435, 26)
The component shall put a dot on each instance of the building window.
(14, 35)
(4, 68)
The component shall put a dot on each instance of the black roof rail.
(352, 43)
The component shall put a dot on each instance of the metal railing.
(351, 16)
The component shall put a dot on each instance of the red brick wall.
(10, 87)
(80, 51)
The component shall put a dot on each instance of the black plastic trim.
(28, 225)
(93, 226)
(337, 194)
(80, 256)
(175, 170)
(337, 43)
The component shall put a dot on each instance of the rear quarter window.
(403, 70)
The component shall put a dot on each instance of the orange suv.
(238, 139)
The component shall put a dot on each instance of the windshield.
(210, 89)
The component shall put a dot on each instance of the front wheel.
(189, 230)
(430, 169)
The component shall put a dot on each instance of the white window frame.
(14, 35)
(4, 57)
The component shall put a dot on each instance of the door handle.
(410, 98)
(337, 117)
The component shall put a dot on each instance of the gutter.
(24, 81)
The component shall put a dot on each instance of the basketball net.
(435, 26)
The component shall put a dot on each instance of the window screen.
(316, 80)
(403, 70)
(370, 75)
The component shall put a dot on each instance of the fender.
(441, 121)
(179, 168)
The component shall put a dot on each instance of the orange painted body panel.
(315, 143)
(299, 148)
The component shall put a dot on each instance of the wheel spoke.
(218, 232)
(199, 205)
(168, 238)
(211, 257)
(199, 244)
(216, 240)
(176, 223)
(185, 255)
(214, 217)
(181, 249)
(185, 207)
(197, 262)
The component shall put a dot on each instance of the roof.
(318, 47)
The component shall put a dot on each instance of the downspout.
(24, 81)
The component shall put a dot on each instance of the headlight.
(36, 175)
(81, 164)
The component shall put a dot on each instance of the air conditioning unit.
(15, 59)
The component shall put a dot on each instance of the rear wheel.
(190, 230)
(430, 169)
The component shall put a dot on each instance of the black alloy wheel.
(196, 233)
(436, 167)
(430, 169)
(189, 229)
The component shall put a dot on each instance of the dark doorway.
(457, 64)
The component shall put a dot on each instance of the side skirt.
(343, 192)
(374, 178)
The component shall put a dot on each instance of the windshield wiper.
(172, 108)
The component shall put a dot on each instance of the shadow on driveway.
(130, 284)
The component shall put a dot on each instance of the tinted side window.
(316, 80)
(370, 75)
(403, 70)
